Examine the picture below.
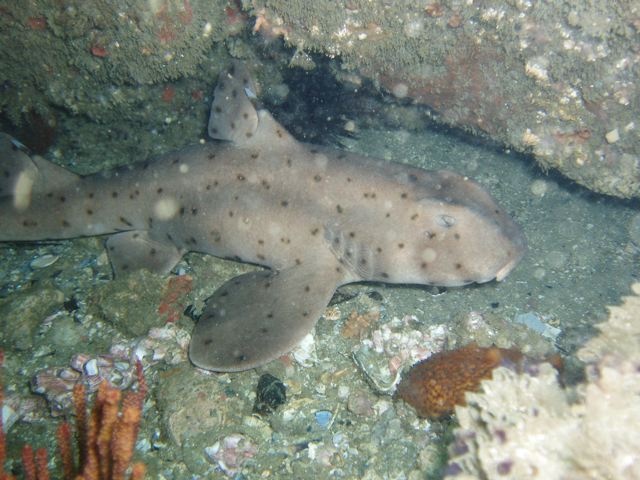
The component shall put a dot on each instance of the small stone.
(529, 138)
(9, 417)
(536, 68)
(270, 394)
(539, 273)
(350, 126)
(305, 352)
(613, 136)
(231, 452)
(343, 391)
(455, 20)
(323, 418)
(400, 90)
(535, 322)
(556, 259)
(539, 188)
(91, 367)
(360, 404)
(375, 295)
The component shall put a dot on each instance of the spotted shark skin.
(318, 218)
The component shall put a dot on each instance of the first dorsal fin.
(234, 117)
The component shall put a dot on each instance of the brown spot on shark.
(322, 218)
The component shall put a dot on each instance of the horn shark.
(318, 218)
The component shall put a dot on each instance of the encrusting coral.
(436, 385)
(525, 425)
(105, 438)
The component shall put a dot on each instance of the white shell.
(43, 261)
(91, 367)
(9, 417)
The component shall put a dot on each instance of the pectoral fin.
(256, 317)
(134, 250)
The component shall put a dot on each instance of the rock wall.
(558, 79)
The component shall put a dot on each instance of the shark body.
(318, 218)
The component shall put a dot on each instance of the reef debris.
(396, 344)
(105, 437)
(358, 324)
(117, 368)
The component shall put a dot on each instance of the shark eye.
(445, 221)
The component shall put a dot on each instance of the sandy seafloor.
(581, 257)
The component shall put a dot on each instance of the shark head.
(462, 236)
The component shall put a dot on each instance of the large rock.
(558, 79)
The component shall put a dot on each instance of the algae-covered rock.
(557, 79)
(198, 411)
(24, 313)
(92, 57)
(130, 303)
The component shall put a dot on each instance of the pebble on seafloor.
(436, 385)
(323, 418)
(539, 324)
